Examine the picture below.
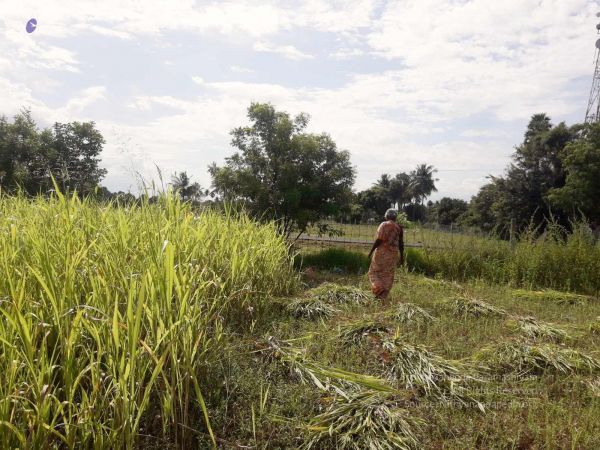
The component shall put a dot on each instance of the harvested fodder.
(560, 298)
(325, 378)
(529, 359)
(535, 329)
(366, 420)
(465, 306)
(415, 367)
(356, 332)
(411, 313)
(310, 308)
(335, 293)
(365, 413)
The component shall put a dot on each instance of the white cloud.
(448, 64)
(287, 51)
(240, 69)
(347, 53)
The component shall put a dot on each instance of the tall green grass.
(112, 317)
(556, 260)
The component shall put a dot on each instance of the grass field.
(159, 327)
(464, 377)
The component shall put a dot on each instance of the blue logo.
(31, 25)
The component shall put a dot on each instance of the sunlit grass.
(111, 316)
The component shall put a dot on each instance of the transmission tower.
(592, 115)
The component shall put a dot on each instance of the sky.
(450, 83)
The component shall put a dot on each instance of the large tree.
(30, 157)
(282, 172)
(448, 211)
(520, 197)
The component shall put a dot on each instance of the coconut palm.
(182, 184)
(423, 182)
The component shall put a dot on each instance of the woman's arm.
(376, 244)
(401, 246)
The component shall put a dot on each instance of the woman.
(387, 252)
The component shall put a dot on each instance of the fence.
(360, 236)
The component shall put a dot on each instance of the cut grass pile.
(357, 332)
(366, 420)
(534, 329)
(311, 308)
(340, 294)
(526, 358)
(465, 306)
(414, 367)
(561, 298)
(364, 412)
(409, 313)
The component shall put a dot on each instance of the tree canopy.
(282, 172)
(30, 157)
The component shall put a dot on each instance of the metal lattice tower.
(592, 114)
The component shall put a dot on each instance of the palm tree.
(384, 181)
(423, 182)
(182, 184)
(401, 189)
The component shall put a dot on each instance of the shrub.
(335, 259)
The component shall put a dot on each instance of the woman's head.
(391, 214)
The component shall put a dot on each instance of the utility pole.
(592, 114)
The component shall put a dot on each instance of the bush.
(416, 261)
(554, 260)
(334, 259)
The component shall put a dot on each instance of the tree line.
(281, 172)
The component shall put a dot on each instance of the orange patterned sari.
(385, 258)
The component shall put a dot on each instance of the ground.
(542, 410)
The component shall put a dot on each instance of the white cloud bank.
(450, 65)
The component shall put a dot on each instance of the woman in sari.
(386, 254)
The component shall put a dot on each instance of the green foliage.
(112, 318)
(416, 261)
(403, 189)
(553, 260)
(581, 191)
(448, 211)
(184, 187)
(520, 198)
(333, 259)
(281, 172)
(30, 157)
